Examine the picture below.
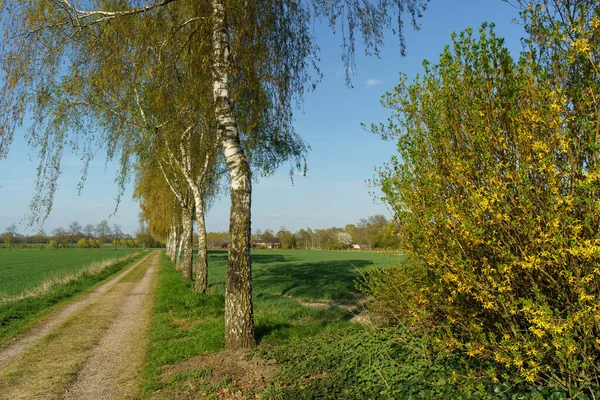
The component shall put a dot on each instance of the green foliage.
(496, 191)
(16, 316)
(396, 293)
(82, 244)
(345, 363)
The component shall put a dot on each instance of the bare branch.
(111, 14)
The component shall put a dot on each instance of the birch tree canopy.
(85, 70)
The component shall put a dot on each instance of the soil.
(246, 374)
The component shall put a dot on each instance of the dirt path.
(96, 379)
(24, 341)
(92, 349)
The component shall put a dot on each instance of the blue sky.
(343, 156)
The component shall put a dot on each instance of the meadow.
(298, 295)
(25, 269)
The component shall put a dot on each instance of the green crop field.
(22, 269)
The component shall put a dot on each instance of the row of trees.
(187, 92)
(375, 232)
(77, 235)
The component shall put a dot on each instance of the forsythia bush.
(497, 192)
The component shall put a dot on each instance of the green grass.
(319, 354)
(187, 324)
(17, 316)
(25, 269)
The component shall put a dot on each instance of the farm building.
(267, 244)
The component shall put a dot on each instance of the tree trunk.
(168, 244)
(187, 242)
(178, 263)
(173, 243)
(239, 316)
(201, 268)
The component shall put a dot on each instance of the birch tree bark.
(201, 267)
(187, 241)
(178, 259)
(239, 315)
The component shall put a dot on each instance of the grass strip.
(183, 324)
(17, 316)
(45, 370)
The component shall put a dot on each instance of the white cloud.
(372, 82)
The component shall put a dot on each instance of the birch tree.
(160, 206)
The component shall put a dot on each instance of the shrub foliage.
(496, 190)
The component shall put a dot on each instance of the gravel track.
(99, 374)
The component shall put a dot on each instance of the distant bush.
(497, 193)
(52, 244)
(82, 244)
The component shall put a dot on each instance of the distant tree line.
(81, 237)
(375, 232)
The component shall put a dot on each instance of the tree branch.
(111, 14)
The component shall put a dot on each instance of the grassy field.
(297, 295)
(23, 269)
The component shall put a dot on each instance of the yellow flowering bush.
(497, 191)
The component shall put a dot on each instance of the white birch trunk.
(187, 242)
(201, 267)
(168, 245)
(179, 241)
(172, 244)
(239, 316)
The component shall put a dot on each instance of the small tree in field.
(116, 235)
(343, 240)
(497, 193)
(9, 236)
(74, 231)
